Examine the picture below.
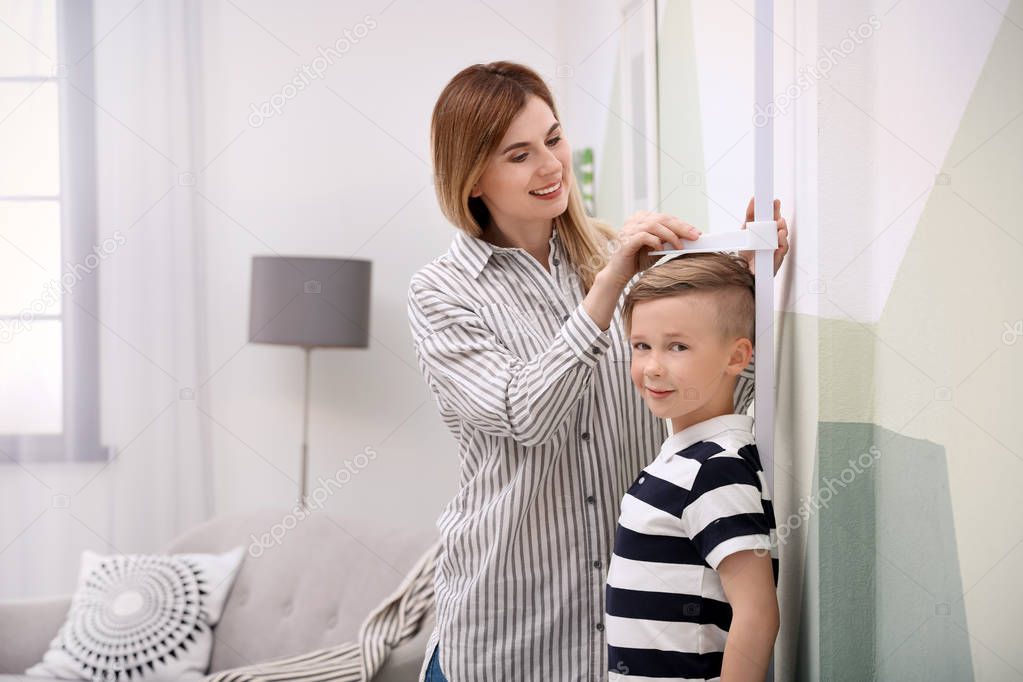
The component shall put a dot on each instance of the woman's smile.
(547, 192)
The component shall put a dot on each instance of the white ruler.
(760, 236)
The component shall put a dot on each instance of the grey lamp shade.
(310, 302)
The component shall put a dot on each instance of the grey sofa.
(311, 590)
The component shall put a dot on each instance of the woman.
(518, 332)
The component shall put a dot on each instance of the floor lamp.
(309, 303)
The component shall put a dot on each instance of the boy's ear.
(742, 353)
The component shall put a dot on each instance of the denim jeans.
(433, 673)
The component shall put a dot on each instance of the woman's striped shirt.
(550, 434)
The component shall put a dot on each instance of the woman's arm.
(744, 387)
(474, 374)
(602, 299)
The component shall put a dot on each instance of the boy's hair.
(724, 274)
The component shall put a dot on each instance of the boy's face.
(681, 364)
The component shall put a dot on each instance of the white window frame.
(79, 439)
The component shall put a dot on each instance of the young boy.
(692, 580)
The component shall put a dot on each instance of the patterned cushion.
(141, 617)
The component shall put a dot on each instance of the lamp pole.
(304, 474)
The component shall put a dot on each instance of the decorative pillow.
(141, 617)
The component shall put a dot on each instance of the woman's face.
(532, 156)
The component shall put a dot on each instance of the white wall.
(343, 171)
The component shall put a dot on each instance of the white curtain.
(153, 346)
(152, 342)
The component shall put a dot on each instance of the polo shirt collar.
(706, 430)
(472, 253)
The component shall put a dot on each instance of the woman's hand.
(642, 233)
(783, 237)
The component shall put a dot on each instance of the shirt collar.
(472, 253)
(706, 430)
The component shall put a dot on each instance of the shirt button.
(596, 564)
(596, 350)
(641, 479)
(600, 627)
(556, 262)
(590, 499)
(585, 435)
(564, 318)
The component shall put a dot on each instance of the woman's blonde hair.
(469, 121)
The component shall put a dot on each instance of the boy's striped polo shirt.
(703, 498)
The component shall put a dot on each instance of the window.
(49, 347)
